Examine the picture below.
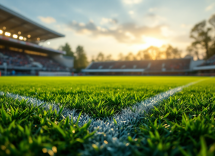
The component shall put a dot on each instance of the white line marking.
(127, 117)
(114, 134)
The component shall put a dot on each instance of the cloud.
(166, 31)
(182, 39)
(132, 1)
(210, 7)
(152, 9)
(186, 26)
(47, 20)
(150, 15)
(152, 19)
(125, 33)
(131, 12)
(108, 21)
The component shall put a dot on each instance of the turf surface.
(28, 131)
(180, 125)
(96, 96)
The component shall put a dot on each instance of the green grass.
(28, 131)
(96, 96)
(181, 125)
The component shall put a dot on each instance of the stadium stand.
(20, 50)
(207, 68)
(21, 59)
(48, 63)
(13, 58)
(156, 65)
(119, 65)
(210, 61)
(173, 65)
(141, 67)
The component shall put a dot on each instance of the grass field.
(97, 96)
(180, 125)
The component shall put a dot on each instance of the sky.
(116, 26)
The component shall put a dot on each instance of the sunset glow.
(120, 26)
(149, 41)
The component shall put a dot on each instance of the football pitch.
(107, 115)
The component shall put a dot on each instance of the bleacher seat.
(148, 65)
(20, 59)
(210, 61)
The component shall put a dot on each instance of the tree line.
(203, 42)
(152, 52)
(79, 56)
(203, 35)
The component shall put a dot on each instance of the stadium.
(19, 49)
(50, 106)
(21, 53)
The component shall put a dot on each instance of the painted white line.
(126, 118)
(107, 130)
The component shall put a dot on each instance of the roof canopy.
(14, 23)
(10, 42)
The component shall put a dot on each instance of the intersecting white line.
(126, 118)
(114, 134)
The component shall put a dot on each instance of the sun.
(150, 41)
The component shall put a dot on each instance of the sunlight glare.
(149, 41)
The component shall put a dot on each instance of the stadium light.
(4, 28)
(19, 32)
(21, 37)
(1, 32)
(15, 36)
(38, 39)
(24, 38)
(29, 36)
(48, 43)
(7, 34)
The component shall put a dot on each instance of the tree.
(147, 55)
(158, 55)
(144, 55)
(212, 22)
(151, 52)
(193, 51)
(67, 49)
(120, 57)
(168, 51)
(212, 47)
(172, 52)
(81, 58)
(100, 57)
(130, 57)
(154, 52)
(201, 35)
(140, 55)
(92, 60)
(108, 57)
(176, 53)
